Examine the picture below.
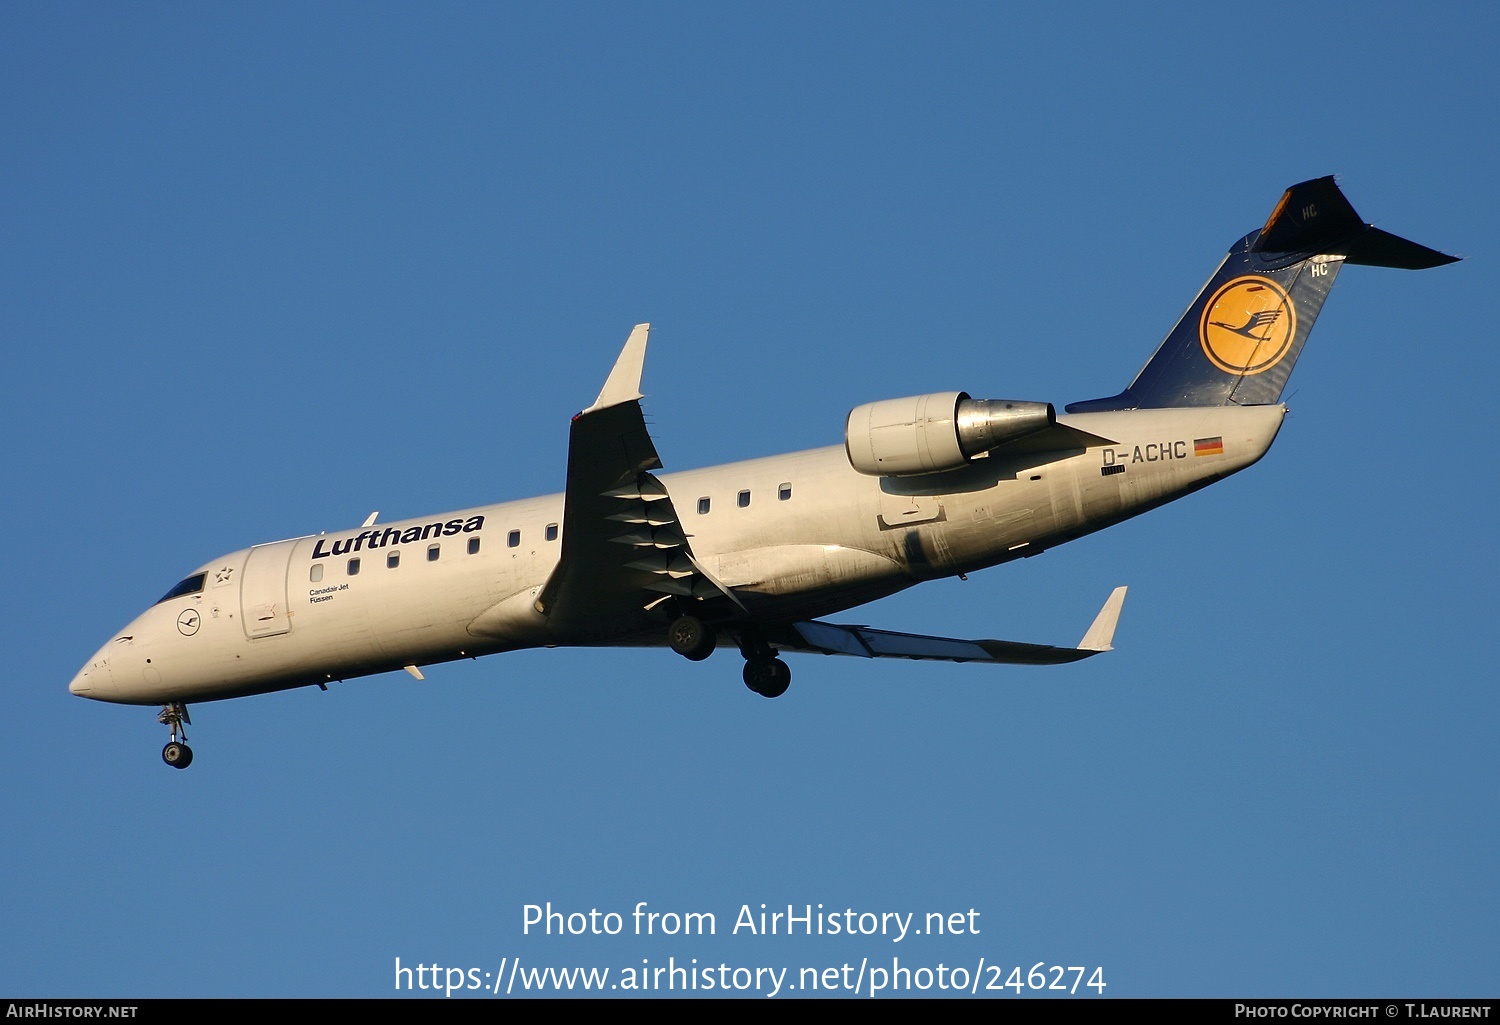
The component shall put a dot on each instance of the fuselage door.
(263, 590)
(901, 509)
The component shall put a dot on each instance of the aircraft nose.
(93, 680)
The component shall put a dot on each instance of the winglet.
(1102, 632)
(624, 383)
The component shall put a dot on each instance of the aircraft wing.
(833, 639)
(624, 551)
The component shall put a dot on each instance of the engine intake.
(932, 433)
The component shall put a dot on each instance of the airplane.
(751, 555)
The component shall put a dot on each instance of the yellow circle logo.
(1248, 326)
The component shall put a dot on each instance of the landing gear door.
(263, 590)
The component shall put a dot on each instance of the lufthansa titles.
(394, 535)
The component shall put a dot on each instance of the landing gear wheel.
(174, 716)
(768, 677)
(178, 756)
(692, 638)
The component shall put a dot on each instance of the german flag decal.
(1208, 446)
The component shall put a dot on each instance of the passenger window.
(702, 506)
(744, 499)
(551, 532)
(513, 539)
(393, 560)
(473, 546)
(432, 552)
(316, 573)
(354, 567)
(784, 492)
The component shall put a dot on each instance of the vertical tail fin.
(1238, 341)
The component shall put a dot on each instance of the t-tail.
(1238, 341)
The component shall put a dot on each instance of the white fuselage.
(813, 538)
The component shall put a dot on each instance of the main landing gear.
(768, 676)
(176, 754)
(765, 674)
(692, 638)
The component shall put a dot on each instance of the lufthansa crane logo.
(188, 622)
(1248, 326)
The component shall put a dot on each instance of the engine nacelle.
(941, 431)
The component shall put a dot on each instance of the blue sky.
(268, 268)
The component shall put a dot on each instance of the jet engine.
(941, 431)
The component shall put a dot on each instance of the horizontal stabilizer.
(864, 642)
(1315, 217)
(1376, 248)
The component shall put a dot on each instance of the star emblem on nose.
(223, 575)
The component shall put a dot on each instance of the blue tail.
(1241, 336)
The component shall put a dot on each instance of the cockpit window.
(192, 585)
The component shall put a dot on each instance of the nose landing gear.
(175, 716)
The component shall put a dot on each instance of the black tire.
(691, 638)
(178, 756)
(768, 677)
